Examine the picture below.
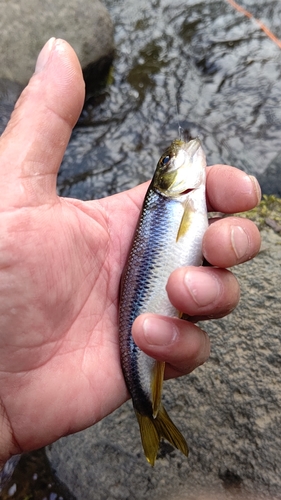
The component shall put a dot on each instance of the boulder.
(26, 25)
(270, 180)
(229, 410)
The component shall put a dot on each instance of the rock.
(270, 180)
(9, 92)
(229, 410)
(7, 471)
(26, 25)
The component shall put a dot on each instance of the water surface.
(201, 65)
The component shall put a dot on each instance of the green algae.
(267, 213)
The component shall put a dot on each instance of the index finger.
(231, 190)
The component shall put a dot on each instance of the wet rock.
(9, 92)
(26, 25)
(7, 471)
(229, 410)
(205, 67)
(270, 180)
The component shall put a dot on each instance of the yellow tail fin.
(152, 429)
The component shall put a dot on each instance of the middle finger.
(203, 292)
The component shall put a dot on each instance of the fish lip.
(192, 146)
(187, 191)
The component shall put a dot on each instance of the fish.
(169, 235)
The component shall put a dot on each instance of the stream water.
(201, 65)
(198, 64)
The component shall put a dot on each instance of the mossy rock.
(267, 213)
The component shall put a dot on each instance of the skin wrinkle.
(68, 120)
(29, 381)
(11, 209)
(33, 349)
(91, 256)
(85, 302)
(107, 281)
(122, 256)
(87, 354)
(97, 281)
(175, 371)
(137, 203)
(111, 272)
(134, 202)
(15, 447)
(39, 160)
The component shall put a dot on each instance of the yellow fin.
(156, 386)
(149, 437)
(167, 429)
(152, 429)
(185, 223)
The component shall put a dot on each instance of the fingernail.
(44, 55)
(203, 287)
(159, 332)
(256, 187)
(240, 241)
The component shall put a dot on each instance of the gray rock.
(229, 410)
(25, 26)
(7, 471)
(9, 92)
(270, 180)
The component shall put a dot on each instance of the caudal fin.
(152, 429)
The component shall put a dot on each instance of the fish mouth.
(187, 191)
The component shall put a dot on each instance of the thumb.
(34, 142)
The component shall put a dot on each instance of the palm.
(67, 299)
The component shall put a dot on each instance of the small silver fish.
(169, 235)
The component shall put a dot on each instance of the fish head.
(180, 169)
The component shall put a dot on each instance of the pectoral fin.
(185, 223)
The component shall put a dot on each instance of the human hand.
(60, 266)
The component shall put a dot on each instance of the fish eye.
(165, 160)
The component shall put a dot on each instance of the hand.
(60, 266)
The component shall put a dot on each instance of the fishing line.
(180, 129)
(262, 26)
(183, 134)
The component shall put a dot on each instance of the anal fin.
(156, 386)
